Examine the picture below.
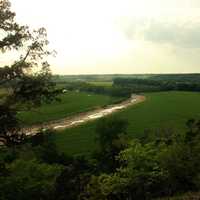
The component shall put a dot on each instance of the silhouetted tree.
(112, 138)
(70, 184)
(28, 80)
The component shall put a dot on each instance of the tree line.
(114, 91)
(151, 85)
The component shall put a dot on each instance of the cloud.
(185, 35)
(180, 34)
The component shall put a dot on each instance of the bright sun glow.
(90, 36)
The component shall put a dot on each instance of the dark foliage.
(112, 138)
(157, 84)
(23, 85)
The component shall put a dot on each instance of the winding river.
(84, 117)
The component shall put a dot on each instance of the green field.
(3, 92)
(160, 110)
(71, 103)
(101, 83)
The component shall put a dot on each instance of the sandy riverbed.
(84, 117)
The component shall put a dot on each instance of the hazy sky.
(118, 36)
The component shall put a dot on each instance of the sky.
(117, 36)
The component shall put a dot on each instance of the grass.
(71, 104)
(3, 92)
(160, 110)
(101, 83)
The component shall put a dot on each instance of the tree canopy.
(28, 79)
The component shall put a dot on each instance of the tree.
(151, 170)
(70, 184)
(29, 179)
(112, 138)
(28, 79)
(108, 130)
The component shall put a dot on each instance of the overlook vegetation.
(147, 151)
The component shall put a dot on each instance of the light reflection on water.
(97, 115)
(77, 120)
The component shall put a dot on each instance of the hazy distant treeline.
(115, 91)
(124, 86)
(151, 85)
(110, 77)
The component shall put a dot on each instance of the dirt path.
(84, 117)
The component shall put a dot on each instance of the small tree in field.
(28, 79)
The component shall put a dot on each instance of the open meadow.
(70, 103)
(163, 110)
(101, 83)
(3, 92)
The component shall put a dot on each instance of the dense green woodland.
(157, 164)
(122, 168)
(159, 83)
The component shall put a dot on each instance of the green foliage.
(29, 180)
(70, 184)
(111, 137)
(9, 126)
(187, 196)
(152, 170)
(156, 167)
(159, 83)
(108, 130)
(25, 85)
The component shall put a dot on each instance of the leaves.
(28, 78)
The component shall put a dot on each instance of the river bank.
(84, 117)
